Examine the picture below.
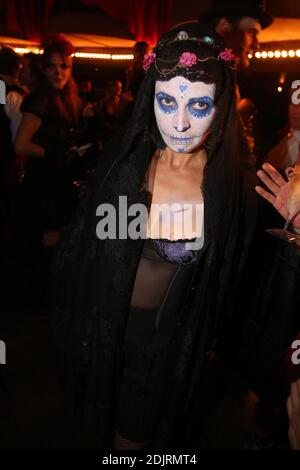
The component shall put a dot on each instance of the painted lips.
(179, 140)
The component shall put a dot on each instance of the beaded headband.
(188, 59)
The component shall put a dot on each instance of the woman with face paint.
(135, 315)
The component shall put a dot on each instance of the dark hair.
(68, 101)
(111, 83)
(201, 41)
(57, 45)
(139, 50)
(141, 47)
(34, 61)
(9, 61)
(233, 20)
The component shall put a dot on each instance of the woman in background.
(48, 137)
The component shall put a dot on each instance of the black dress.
(96, 328)
(159, 290)
(46, 200)
(47, 188)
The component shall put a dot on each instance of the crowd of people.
(53, 132)
(179, 332)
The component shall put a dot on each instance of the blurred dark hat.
(251, 8)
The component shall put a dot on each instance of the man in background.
(287, 151)
(239, 23)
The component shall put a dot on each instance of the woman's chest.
(169, 188)
(176, 210)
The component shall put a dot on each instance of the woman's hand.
(293, 408)
(279, 191)
(89, 111)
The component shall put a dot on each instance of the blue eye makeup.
(200, 107)
(166, 103)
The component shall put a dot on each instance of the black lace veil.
(93, 279)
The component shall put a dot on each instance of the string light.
(106, 56)
(91, 55)
(78, 55)
(279, 89)
(26, 50)
(122, 56)
(291, 54)
(97, 55)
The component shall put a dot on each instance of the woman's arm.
(12, 111)
(30, 124)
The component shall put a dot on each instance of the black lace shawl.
(94, 278)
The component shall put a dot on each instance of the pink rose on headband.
(148, 60)
(228, 55)
(188, 59)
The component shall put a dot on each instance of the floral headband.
(188, 59)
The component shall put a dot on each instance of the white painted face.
(184, 112)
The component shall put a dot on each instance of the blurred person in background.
(293, 407)
(135, 72)
(10, 118)
(287, 151)
(239, 24)
(30, 72)
(112, 110)
(51, 137)
(86, 91)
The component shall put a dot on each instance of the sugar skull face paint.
(184, 112)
